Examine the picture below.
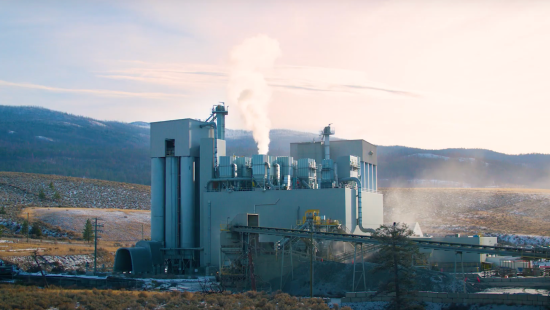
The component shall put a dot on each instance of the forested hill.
(39, 140)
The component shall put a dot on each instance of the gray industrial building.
(196, 188)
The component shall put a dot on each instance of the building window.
(170, 147)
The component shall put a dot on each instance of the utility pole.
(311, 263)
(95, 243)
(28, 226)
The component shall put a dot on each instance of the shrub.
(36, 230)
(41, 194)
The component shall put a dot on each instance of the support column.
(157, 198)
(172, 203)
(187, 213)
(282, 265)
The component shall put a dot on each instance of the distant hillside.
(39, 140)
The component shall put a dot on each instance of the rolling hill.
(38, 140)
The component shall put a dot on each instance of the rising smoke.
(248, 89)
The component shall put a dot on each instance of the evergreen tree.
(1, 231)
(51, 185)
(41, 194)
(36, 230)
(56, 196)
(88, 233)
(24, 228)
(3, 210)
(396, 254)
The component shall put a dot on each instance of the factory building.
(196, 189)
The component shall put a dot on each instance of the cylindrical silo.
(157, 199)
(187, 214)
(171, 214)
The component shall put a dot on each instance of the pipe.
(267, 169)
(213, 125)
(360, 206)
(304, 183)
(266, 204)
(277, 174)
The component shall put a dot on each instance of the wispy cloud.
(283, 77)
(94, 92)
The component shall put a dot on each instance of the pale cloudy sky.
(429, 74)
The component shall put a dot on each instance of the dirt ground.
(332, 279)
(119, 225)
(470, 210)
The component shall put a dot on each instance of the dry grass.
(19, 297)
(119, 224)
(23, 248)
(471, 210)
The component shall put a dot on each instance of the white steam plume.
(248, 89)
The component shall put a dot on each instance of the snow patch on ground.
(180, 285)
(69, 262)
(376, 305)
(44, 138)
(429, 155)
(523, 239)
(434, 156)
(437, 183)
(97, 124)
(514, 290)
(119, 224)
(71, 124)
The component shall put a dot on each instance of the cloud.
(95, 92)
(283, 77)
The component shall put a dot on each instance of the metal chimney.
(220, 112)
(327, 132)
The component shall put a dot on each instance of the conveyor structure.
(535, 253)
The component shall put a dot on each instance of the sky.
(427, 74)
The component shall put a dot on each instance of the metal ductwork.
(359, 205)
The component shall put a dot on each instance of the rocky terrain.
(516, 215)
(23, 189)
(119, 225)
(332, 279)
(471, 211)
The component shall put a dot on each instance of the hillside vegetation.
(23, 189)
(472, 211)
(20, 297)
(438, 210)
(39, 140)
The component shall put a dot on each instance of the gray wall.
(315, 150)
(335, 203)
(449, 256)
(186, 133)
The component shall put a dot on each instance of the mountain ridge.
(39, 140)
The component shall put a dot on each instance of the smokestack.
(220, 112)
(327, 132)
